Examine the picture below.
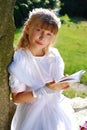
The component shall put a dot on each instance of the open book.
(72, 78)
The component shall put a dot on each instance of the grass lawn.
(72, 44)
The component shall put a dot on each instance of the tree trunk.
(6, 45)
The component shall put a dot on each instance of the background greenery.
(72, 44)
(74, 8)
(71, 7)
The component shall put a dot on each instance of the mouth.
(39, 43)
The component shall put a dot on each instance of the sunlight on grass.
(17, 34)
(72, 44)
(71, 93)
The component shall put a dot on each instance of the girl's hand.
(50, 83)
(57, 86)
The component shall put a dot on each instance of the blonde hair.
(45, 19)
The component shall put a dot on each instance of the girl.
(35, 68)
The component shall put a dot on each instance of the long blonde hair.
(45, 18)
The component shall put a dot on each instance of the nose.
(41, 36)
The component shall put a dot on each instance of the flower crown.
(41, 12)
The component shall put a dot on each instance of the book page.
(72, 78)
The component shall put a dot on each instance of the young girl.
(34, 71)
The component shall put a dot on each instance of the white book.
(72, 78)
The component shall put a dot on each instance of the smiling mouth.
(39, 43)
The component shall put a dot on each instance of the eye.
(49, 34)
(38, 29)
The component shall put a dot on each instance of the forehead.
(46, 25)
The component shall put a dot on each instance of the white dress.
(50, 110)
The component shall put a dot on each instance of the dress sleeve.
(15, 84)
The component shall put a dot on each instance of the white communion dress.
(50, 110)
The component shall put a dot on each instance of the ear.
(27, 28)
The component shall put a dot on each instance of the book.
(75, 77)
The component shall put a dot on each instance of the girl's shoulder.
(54, 51)
(19, 51)
(19, 54)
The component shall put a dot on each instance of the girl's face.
(40, 37)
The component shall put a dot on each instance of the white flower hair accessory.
(46, 12)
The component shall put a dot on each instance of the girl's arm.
(22, 97)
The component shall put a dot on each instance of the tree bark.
(6, 50)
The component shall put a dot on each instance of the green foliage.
(65, 19)
(17, 35)
(17, 16)
(74, 8)
(20, 12)
(22, 8)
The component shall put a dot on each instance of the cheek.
(35, 34)
(49, 40)
(32, 34)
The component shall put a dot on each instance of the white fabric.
(49, 111)
(15, 84)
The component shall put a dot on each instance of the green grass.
(17, 34)
(72, 44)
(73, 93)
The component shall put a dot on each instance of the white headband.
(46, 12)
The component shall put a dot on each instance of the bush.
(18, 17)
(20, 12)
